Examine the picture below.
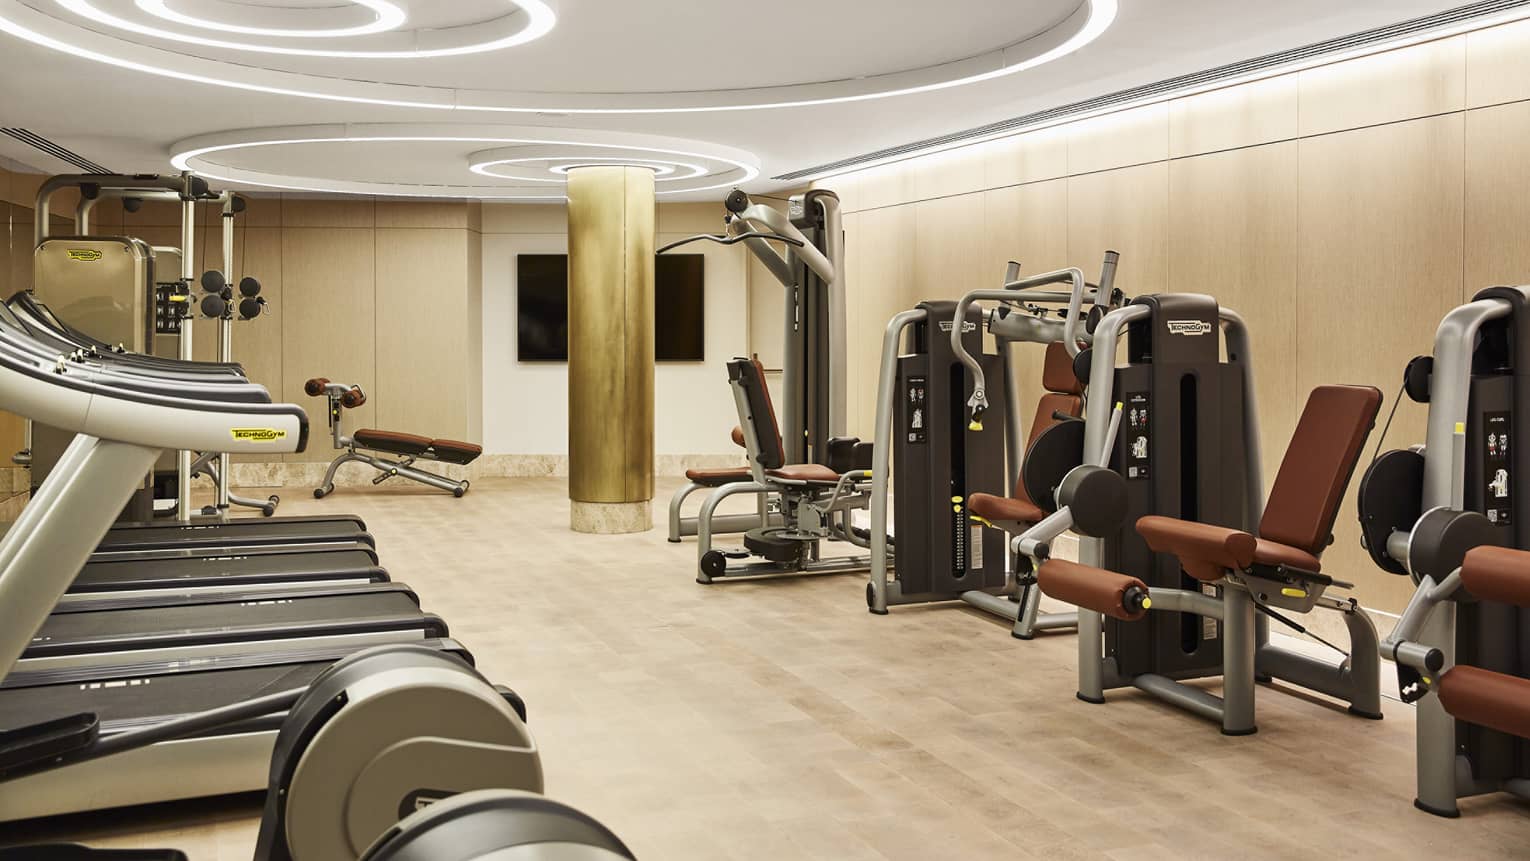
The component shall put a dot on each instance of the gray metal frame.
(681, 526)
(1247, 652)
(1429, 622)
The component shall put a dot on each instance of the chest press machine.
(389, 452)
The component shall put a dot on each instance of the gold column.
(610, 348)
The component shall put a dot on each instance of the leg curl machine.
(1199, 543)
(373, 447)
(1435, 514)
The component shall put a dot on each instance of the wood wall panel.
(422, 300)
(888, 185)
(257, 343)
(1411, 82)
(347, 212)
(1230, 236)
(1247, 115)
(422, 213)
(474, 325)
(1380, 262)
(1031, 157)
(949, 249)
(1123, 210)
(332, 332)
(884, 279)
(944, 174)
(1120, 139)
(531, 218)
(1498, 65)
(1497, 197)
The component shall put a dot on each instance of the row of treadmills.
(169, 619)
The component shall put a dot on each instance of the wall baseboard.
(487, 466)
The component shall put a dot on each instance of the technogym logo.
(1189, 327)
(84, 255)
(967, 326)
(258, 434)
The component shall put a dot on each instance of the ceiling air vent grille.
(42, 144)
(1230, 71)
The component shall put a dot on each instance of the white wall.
(525, 406)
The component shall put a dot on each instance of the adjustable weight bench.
(389, 452)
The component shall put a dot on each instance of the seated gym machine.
(817, 500)
(1197, 543)
(813, 362)
(378, 449)
(1446, 516)
(946, 472)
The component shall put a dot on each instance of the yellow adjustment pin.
(1290, 592)
(1120, 405)
(1427, 680)
(957, 509)
(956, 499)
(1460, 427)
(1147, 603)
(980, 519)
(975, 426)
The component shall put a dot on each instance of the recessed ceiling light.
(664, 169)
(386, 16)
(540, 20)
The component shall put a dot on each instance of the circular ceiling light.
(1090, 19)
(665, 170)
(540, 20)
(688, 166)
(385, 16)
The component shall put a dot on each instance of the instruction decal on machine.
(85, 255)
(257, 434)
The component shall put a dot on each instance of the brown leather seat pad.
(1486, 698)
(738, 438)
(1275, 553)
(805, 472)
(1091, 588)
(718, 477)
(996, 508)
(454, 451)
(1204, 551)
(1498, 574)
(399, 443)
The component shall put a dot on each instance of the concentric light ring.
(665, 170)
(732, 166)
(386, 16)
(540, 20)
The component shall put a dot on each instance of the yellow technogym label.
(258, 434)
(85, 255)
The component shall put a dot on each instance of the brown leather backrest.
(1318, 465)
(1057, 373)
(750, 374)
(1046, 410)
(1497, 574)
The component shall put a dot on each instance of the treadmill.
(120, 432)
(30, 327)
(216, 569)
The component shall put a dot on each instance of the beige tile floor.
(780, 720)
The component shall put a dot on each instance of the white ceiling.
(678, 63)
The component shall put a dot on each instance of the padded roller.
(214, 305)
(249, 309)
(738, 437)
(315, 386)
(1486, 698)
(1116, 595)
(213, 281)
(1497, 574)
(249, 286)
(353, 398)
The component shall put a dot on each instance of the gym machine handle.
(725, 239)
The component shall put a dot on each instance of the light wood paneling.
(767, 314)
(691, 218)
(888, 185)
(943, 174)
(474, 326)
(331, 331)
(262, 211)
(1120, 139)
(423, 377)
(525, 218)
(1247, 115)
(949, 249)
(880, 254)
(423, 213)
(1497, 197)
(257, 344)
(1231, 216)
(1124, 210)
(1396, 85)
(347, 212)
(1498, 64)
(1031, 157)
(1380, 262)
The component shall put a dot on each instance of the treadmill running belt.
(226, 570)
(195, 534)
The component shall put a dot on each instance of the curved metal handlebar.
(726, 239)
